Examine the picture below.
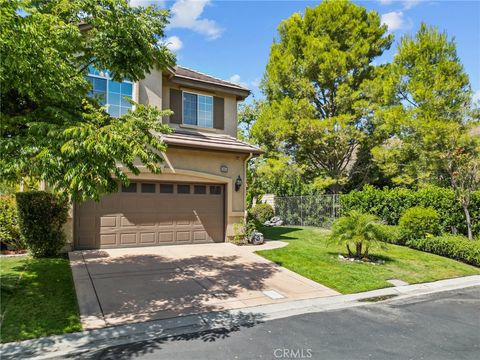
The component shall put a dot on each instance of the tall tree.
(432, 102)
(314, 81)
(50, 128)
(431, 140)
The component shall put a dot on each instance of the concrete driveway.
(121, 286)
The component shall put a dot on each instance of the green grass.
(37, 298)
(308, 253)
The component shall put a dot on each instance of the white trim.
(183, 110)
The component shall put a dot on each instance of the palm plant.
(358, 231)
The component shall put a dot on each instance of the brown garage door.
(149, 214)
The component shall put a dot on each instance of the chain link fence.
(311, 210)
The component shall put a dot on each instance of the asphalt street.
(438, 326)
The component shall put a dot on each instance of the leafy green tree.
(50, 128)
(430, 136)
(432, 101)
(359, 231)
(317, 109)
(247, 115)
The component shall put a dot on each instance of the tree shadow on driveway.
(136, 288)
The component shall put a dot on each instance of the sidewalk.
(77, 343)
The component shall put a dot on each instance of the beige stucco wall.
(150, 89)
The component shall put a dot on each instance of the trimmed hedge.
(419, 222)
(390, 203)
(262, 212)
(9, 228)
(391, 234)
(451, 246)
(41, 218)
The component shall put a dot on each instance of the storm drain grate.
(272, 294)
(378, 298)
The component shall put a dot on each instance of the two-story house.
(200, 194)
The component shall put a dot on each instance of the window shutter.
(218, 113)
(176, 106)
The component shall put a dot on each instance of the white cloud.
(187, 14)
(394, 20)
(236, 79)
(157, 3)
(408, 4)
(385, 2)
(173, 43)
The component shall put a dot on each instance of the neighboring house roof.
(209, 141)
(185, 76)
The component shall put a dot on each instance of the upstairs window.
(198, 110)
(111, 93)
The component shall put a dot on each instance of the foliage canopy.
(50, 128)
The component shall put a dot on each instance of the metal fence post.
(333, 206)
(301, 210)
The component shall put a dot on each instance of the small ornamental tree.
(359, 232)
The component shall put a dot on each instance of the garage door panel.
(183, 236)
(108, 221)
(147, 238)
(108, 239)
(165, 237)
(128, 238)
(125, 222)
(200, 236)
(146, 219)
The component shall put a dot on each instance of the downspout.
(245, 187)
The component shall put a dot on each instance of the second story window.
(111, 93)
(198, 110)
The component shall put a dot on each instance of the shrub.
(243, 230)
(389, 205)
(41, 218)
(262, 212)
(9, 228)
(455, 247)
(358, 232)
(419, 222)
(391, 234)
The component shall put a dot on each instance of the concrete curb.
(81, 342)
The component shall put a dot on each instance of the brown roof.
(209, 141)
(182, 74)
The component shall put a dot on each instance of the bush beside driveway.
(311, 255)
(37, 298)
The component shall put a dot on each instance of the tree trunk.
(468, 220)
(359, 250)
(349, 251)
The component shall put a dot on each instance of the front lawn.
(37, 298)
(309, 254)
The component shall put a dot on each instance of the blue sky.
(231, 39)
